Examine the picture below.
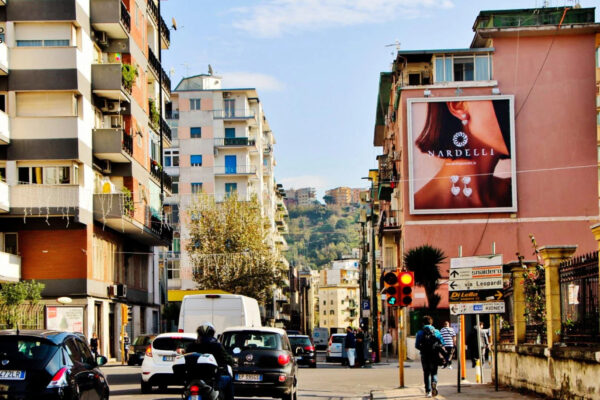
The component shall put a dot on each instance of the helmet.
(206, 329)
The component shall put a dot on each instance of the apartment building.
(339, 296)
(301, 197)
(82, 89)
(222, 144)
(528, 77)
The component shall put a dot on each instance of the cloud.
(262, 82)
(297, 182)
(272, 18)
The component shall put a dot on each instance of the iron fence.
(535, 329)
(29, 316)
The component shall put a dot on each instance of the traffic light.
(390, 283)
(124, 314)
(405, 288)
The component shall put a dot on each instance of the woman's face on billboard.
(483, 125)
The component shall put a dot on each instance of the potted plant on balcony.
(129, 74)
(128, 204)
(154, 115)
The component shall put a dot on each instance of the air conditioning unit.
(121, 290)
(107, 168)
(110, 106)
(112, 290)
(102, 38)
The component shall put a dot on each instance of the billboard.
(68, 319)
(461, 154)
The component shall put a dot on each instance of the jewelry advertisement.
(462, 155)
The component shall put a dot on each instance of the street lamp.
(374, 307)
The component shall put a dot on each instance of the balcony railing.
(166, 129)
(109, 144)
(235, 141)
(155, 170)
(235, 169)
(153, 10)
(111, 17)
(233, 114)
(164, 30)
(125, 17)
(153, 61)
(4, 196)
(4, 128)
(63, 198)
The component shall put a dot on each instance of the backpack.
(431, 347)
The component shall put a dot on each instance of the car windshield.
(300, 341)
(34, 351)
(337, 339)
(251, 340)
(171, 343)
(142, 340)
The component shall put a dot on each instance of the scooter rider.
(206, 343)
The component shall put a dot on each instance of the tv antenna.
(396, 44)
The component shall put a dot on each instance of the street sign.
(475, 296)
(476, 272)
(366, 305)
(475, 284)
(476, 261)
(492, 307)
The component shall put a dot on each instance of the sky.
(316, 66)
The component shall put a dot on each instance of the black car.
(137, 350)
(49, 365)
(264, 364)
(304, 350)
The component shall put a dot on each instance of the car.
(158, 361)
(304, 350)
(40, 364)
(336, 349)
(137, 350)
(263, 362)
(320, 336)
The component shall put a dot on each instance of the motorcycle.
(201, 376)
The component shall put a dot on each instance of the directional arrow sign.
(476, 273)
(477, 261)
(475, 296)
(495, 307)
(475, 284)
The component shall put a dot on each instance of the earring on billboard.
(464, 119)
(455, 190)
(467, 191)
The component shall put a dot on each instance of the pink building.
(486, 145)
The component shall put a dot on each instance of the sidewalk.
(468, 391)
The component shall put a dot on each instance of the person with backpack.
(431, 345)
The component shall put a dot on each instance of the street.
(332, 381)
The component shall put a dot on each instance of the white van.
(222, 310)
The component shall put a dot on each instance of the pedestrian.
(473, 347)
(449, 337)
(387, 341)
(430, 343)
(485, 343)
(125, 347)
(360, 348)
(94, 344)
(350, 344)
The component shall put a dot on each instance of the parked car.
(160, 354)
(137, 350)
(39, 364)
(336, 351)
(264, 364)
(304, 350)
(320, 336)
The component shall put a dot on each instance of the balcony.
(44, 199)
(4, 128)
(235, 142)
(115, 211)
(112, 144)
(112, 17)
(107, 81)
(165, 34)
(158, 71)
(234, 170)
(221, 197)
(166, 129)
(3, 59)
(233, 115)
(4, 196)
(10, 267)
(153, 11)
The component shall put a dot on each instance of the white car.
(157, 365)
(335, 349)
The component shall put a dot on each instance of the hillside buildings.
(301, 197)
(81, 183)
(344, 196)
(222, 144)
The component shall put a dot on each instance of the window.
(176, 245)
(324, 302)
(171, 158)
(196, 160)
(196, 187)
(230, 108)
(332, 312)
(194, 104)
(331, 302)
(195, 133)
(2, 174)
(43, 43)
(230, 188)
(46, 175)
(173, 269)
(462, 68)
(10, 244)
(175, 184)
(229, 133)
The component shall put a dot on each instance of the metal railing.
(166, 129)
(507, 330)
(233, 114)
(153, 10)
(579, 300)
(153, 61)
(235, 169)
(535, 331)
(235, 141)
(164, 30)
(127, 143)
(125, 17)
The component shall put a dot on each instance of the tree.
(13, 295)
(228, 247)
(425, 262)
(329, 199)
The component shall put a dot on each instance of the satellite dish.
(174, 23)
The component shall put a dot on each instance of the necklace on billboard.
(455, 190)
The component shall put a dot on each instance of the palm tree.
(425, 262)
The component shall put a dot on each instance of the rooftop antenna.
(395, 44)
(210, 70)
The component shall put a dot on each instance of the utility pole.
(374, 277)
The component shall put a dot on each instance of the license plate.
(168, 358)
(299, 358)
(12, 375)
(195, 397)
(249, 377)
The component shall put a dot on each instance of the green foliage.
(154, 115)
(228, 247)
(128, 205)
(129, 74)
(329, 199)
(12, 297)
(425, 262)
(319, 234)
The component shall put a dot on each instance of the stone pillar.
(519, 322)
(553, 256)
